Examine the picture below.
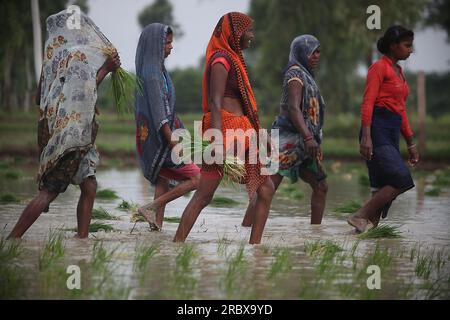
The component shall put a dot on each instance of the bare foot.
(149, 214)
(375, 220)
(360, 224)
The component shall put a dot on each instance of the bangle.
(306, 139)
(412, 146)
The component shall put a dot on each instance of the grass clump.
(8, 198)
(106, 194)
(102, 214)
(98, 226)
(349, 207)
(223, 202)
(53, 251)
(382, 231)
(172, 219)
(281, 264)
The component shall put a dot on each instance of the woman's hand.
(413, 155)
(112, 63)
(312, 148)
(366, 147)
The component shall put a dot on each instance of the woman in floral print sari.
(73, 67)
(300, 124)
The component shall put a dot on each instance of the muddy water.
(217, 239)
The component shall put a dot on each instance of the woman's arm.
(167, 134)
(374, 80)
(218, 80)
(295, 105)
(112, 63)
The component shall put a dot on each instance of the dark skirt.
(387, 167)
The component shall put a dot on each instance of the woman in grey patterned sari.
(300, 124)
(73, 67)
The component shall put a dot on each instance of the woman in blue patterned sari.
(155, 121)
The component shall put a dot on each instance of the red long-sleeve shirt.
(386, 89)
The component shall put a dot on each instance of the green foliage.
(223, 202)
(439, 15)
(331, 22)
(188, 84)
(102, 214)
(159, 11)
(106, 194)
(349, 207)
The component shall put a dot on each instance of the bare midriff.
(232, 105)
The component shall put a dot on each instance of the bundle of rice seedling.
(124, 85)
(382, 231)
(233, 168)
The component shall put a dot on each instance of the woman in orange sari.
(228, 103)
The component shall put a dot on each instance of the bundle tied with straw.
(233, 167)
(124, 85)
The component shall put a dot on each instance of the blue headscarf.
(156, 106)
(302, 48)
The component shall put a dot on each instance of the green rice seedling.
(291, 191)
(127, 206)
(172, 219)
(106, 194)
(434, 192)
(319, 247)
(223, 202)
(101, 257)
(222, 246)
(143, 255)
(9, 250)
(11, 274)
(124, 86)
(424, 265)
(382, 231)
(349, 207)
(233, 170)
(381, 257)
(102, 214)
(281, 264)
(8, 198)
(53, 251)
(236, 270)
(124, 205)
(184, 280)
(98, 226)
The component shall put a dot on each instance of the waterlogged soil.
(296, 260)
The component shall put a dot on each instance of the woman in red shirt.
(383, 117)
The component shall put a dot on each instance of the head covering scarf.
(157, 104)
(226, 38)
(72, 58)
(302, 47)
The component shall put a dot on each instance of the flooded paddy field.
(122, 259)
